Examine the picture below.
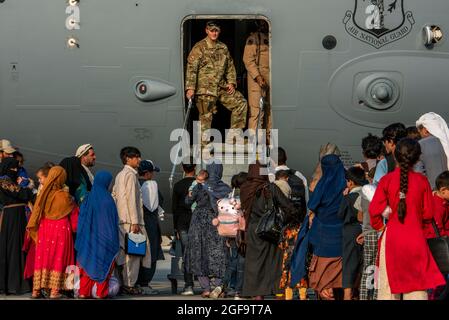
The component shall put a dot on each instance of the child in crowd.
(152, 212)
(406, 266)
(201, 178)
(372, 148)
(413, 133)
(28, 245)
(236, 260)
(441, 202)
(350, 212)
(441, 218)
(288, 244)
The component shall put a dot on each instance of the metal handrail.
(186, 119)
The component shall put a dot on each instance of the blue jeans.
(235, 269)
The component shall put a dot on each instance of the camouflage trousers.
(236, 103)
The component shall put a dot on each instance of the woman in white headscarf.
(434, 146)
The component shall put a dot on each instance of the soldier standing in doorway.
(256, 57)
(211, 77)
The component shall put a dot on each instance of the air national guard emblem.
(378, 22)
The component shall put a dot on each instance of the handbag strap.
(271, 200)
(435, 228)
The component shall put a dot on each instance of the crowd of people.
(358, 232)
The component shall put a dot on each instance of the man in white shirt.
(434, 146)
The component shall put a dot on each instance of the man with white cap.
(79, 176)
(87, 156)
(434, 146)
(6, 149)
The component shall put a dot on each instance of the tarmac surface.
(160, 282)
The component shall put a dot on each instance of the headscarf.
(75, 170)
(97, 241)
(437, 127)
(215, 187)
(330, 186)
(254, 182)
(6, 168)
(53, 202)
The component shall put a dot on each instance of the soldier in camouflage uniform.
(211, 77)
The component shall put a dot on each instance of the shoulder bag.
(270, 227)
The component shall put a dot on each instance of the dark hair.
(394, 132)
(17, 154)
(281, 174)
(442, 181)
(371, 146)
(282, 156)
(188, 165)
(238, 179)
(407, 153)
(356, 175)
(45, 169)
(413, 133)
(129, 152)
(49, 164)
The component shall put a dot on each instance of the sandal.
(55, 294)
(133, 291)
(36, 294)
(327, 294)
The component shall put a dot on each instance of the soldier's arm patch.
(191, 58)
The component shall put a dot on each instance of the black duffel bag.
(439, 247)
(271, 225)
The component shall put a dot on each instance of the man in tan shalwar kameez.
(128, 197)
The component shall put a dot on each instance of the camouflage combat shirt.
(209, 68)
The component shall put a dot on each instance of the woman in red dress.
(406, 266)
(49, 226)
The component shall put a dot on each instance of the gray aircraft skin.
(70, 73)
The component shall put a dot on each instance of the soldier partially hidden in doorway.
(211, 77)
(256, 57)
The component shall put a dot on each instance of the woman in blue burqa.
(321, 233)
(97, 241)
(205, 252)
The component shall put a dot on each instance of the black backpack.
(298, 193)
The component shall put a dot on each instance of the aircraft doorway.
(234, 34)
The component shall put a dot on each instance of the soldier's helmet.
(213, 25)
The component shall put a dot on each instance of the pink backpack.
(230, 217)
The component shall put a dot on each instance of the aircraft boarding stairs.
(233, 162)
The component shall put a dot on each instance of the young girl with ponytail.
(406, 266)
